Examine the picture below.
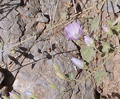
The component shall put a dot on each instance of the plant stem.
(97, 50)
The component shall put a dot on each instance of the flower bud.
(77, 62)
(88, 41)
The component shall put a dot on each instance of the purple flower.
(105, 28)
(88, 41)
(77, 62)
(73, 31)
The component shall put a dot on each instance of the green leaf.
(57, 69)
(99, 76)
(110, 23)
(94, 24)
(52, 85)
(105, 47)
(110, 32)
(87, 53)
(59, 73)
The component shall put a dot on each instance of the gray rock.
(30, 13)
(109, 66)
(14, 2)
(30, 25)
(5, 1)
(109, 6)
(21, 10)
(25, 74)
(41, 18)
(5, 24)
(86, 89)
(32, 8)
(12, 15)
(15, 29)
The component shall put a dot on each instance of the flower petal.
(77, 62)
(76, 26)
(105, 28)
(69, 36)
(73, 31)
(80, 31)
(89, 41)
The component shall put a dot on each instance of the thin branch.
(55, 11)
(74, 6)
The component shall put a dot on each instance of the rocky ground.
(32, 39)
